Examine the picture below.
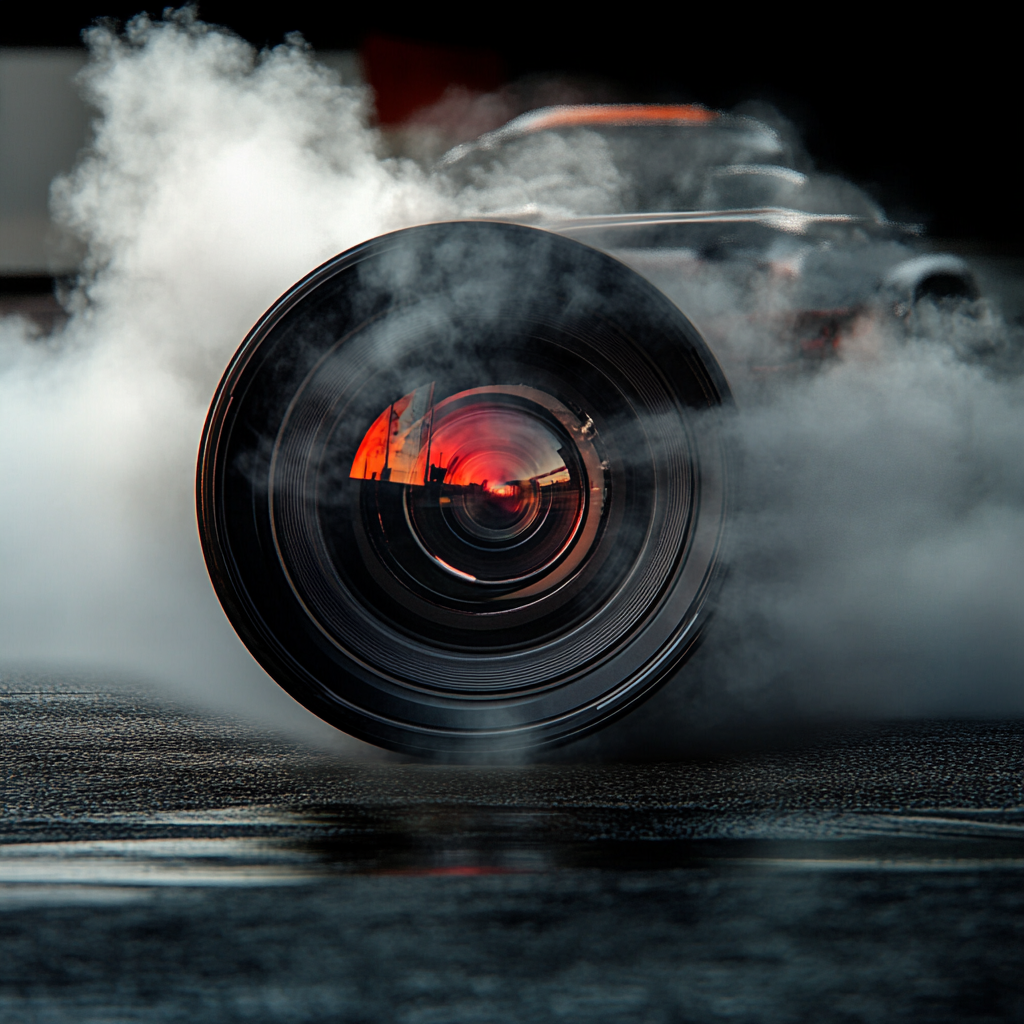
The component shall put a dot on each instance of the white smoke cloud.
(547, 175)
(880, 546)
(879, 557)
(217, 177)
(876, 558)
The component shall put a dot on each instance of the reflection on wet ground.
(161, 864)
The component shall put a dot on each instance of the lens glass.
(495, 486)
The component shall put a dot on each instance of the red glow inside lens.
(496, 449)
(495, 487)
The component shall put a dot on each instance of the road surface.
(160, 863)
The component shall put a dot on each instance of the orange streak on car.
(621, 114)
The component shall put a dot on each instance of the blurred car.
(778, 265)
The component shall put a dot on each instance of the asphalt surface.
(160, 863)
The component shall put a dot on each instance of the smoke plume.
(216, 178)
(878, 546)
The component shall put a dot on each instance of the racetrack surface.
(161, 863)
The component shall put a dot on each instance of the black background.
(925, 109)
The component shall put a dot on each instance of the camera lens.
(462, 490)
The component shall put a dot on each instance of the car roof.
(606, 115)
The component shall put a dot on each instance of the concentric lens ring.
(462, 489)
(500, 491)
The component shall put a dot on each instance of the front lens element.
(498, 485)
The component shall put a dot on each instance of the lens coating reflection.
(496, 484)
(495, 461)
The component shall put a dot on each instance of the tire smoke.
(216, 178)
(878, 544)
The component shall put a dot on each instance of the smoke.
(878, 546)
(876, 563)
(216, 178)
(879, 549)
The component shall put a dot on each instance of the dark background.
(925, 109)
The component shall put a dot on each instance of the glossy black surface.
(158, 863)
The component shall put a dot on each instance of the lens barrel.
(462, 490)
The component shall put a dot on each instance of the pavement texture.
(161, 863)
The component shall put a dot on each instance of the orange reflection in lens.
(502, 484)
(391, 448)
(498, 450)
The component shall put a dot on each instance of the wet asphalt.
(162, 863)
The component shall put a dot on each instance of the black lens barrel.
(462, 490)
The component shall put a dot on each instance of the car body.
(779, 266)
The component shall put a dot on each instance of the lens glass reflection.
(495, 487)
